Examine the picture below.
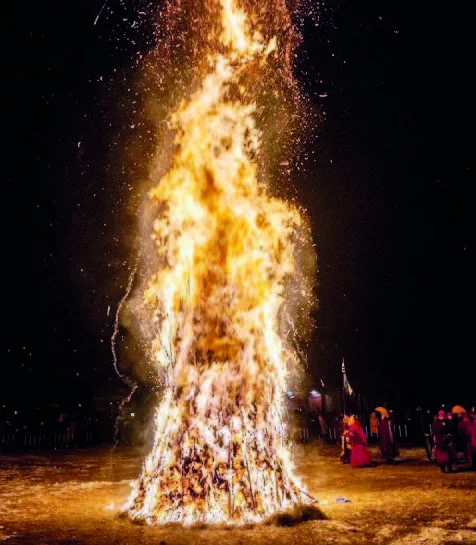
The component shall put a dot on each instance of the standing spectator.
(324, 428)
(443, 442)
(316, 424)
(453, 420)
(472, 419)
(373, 424)
(386, 439)
(465, 433)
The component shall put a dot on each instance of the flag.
(347, 387)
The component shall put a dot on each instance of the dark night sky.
(388, 194)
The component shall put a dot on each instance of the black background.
(387, 190)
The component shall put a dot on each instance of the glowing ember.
(228, 255)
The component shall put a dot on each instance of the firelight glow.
(228, 251)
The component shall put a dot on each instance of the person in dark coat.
(386, 439)
(465, 435)
(472, 420)
(443, 438)
(453, 431)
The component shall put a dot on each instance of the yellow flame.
(227, 249)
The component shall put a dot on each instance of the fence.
(400, 431)
(68, 439)
(17, 441)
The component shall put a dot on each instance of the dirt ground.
(74, 497)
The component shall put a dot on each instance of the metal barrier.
(303, 435)
(44, 440)
(70, 439)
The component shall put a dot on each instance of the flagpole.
(343, 397)
(343, 384)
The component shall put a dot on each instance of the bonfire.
(227, 251)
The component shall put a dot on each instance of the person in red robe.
(386, 439)
(359, 454)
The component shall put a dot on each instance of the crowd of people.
(453, 432)
(354, 441)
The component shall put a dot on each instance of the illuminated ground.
(73, 497)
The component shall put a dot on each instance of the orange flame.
(227, 249)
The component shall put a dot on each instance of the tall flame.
(227, 251)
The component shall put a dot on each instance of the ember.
(228, 250)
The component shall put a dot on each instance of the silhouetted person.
(465, 433)
(443, 442)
